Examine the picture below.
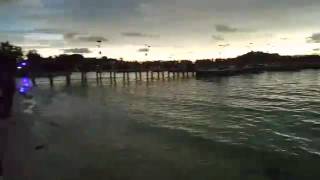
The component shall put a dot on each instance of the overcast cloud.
(166, 23)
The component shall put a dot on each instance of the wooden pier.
(112, 76)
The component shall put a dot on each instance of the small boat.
(220, 71)
(230, 71)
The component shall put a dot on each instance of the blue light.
(22, 90)
(25, 85)
(23, 64)
(26, 82)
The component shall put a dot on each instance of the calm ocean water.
(264, 126)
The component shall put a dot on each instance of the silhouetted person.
(7, 90)
(7, 87)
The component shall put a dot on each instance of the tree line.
(33, 63)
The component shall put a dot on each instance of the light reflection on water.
(273, 112)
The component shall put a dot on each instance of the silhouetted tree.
(69, 62)
(9, 55)
(35, 62)
(10, 52)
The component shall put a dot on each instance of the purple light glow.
(23, 64)
(26, 82)
(22, 90)
(25, 85)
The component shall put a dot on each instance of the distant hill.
(270, 61)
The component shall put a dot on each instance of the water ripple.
(276, 111)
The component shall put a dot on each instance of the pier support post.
(124, 76)
(110, 77)
(114, 74)
(97, 76)
(68, 79)
(51, 80)
(83, 76)
(158, 73)
(33, 80)
(147, 75)
(136, 75)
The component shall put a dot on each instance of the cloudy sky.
(172, 29)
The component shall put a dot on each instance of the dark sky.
(174, 28)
